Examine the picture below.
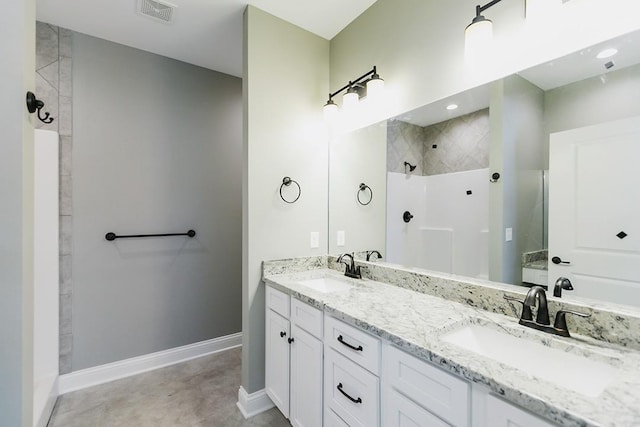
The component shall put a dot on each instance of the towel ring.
(361, 188)
(286, 181)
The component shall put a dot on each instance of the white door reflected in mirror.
(594, 210)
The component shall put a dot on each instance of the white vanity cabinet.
(491, 411)
(321, 371)
(351, 369)
(417, 393)
(293, 358)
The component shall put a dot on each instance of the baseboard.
(52, 395)
(136, 365)
(254, 403)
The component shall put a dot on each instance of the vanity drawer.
(432, 388)
(306, 317)
(350, 390)
(331, 419)
(353, 343)
(400, 411)
(277, 301)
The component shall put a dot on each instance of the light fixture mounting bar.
(354, 82)
(480, 9)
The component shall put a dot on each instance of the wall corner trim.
(136, 365)
(254, 403)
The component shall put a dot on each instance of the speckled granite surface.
(537, 260)
(416, 309)
(612, 323)
(538, 265)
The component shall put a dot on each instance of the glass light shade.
(350, 100)
(330, 111)
(375, 87)
(478, 36)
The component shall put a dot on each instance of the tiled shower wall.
(455, 145)
(54, 88)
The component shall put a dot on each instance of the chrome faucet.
(352, 270)
(542, 317)
(561, 283)
(370, 253)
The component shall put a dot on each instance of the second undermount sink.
(326, 284)
(568, 370)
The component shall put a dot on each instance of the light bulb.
(478, 37)
(350, 100)
(375, 87)
(607, 53)
(330, 111)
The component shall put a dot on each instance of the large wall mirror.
(522, 181)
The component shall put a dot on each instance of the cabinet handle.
(342, 341)
(358, 400)
(290, 340)
(282, 334)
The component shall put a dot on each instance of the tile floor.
(200, 393)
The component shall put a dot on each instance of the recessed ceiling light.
(607, 53)
(452, 107)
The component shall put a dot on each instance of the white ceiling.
(207, 33)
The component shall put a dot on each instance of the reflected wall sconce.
(34, 104)
(369, 84)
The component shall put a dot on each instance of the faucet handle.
(561, 321)
(526, 310)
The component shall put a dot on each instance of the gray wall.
(516, 152)
(157, 148)
(17, 22)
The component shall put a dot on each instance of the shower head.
(411, 167)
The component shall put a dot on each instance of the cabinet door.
(502, 414)
(306, 379)
(400, 411)
(277, 360)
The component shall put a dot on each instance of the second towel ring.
(286, 181)
(361, 188)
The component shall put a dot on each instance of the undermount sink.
(568, 370)
(326, 284)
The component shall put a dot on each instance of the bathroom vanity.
(402, 347)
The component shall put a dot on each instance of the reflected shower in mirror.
(438, 165)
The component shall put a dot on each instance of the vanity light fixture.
(607, 53)
(369, 84)
(480, 31)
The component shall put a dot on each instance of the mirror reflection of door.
(594, 210)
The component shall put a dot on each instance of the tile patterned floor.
(199, 393)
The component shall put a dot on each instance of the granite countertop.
(415, 322)
(537, 265)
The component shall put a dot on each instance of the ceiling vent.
(159, 10)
